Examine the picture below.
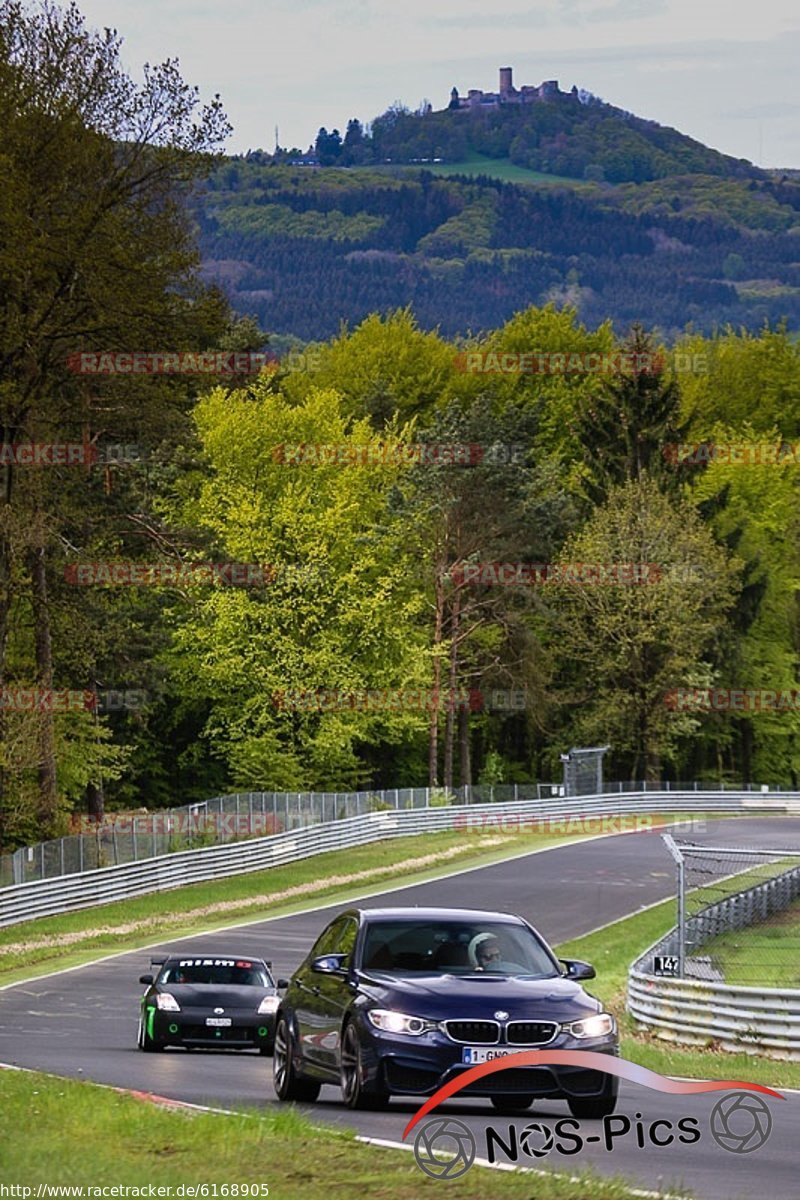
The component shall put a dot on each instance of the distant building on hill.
(506, 93)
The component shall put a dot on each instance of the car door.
(335, 994)
(313, 1002)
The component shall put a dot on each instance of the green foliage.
(624, 648)
(277, 220)
(339, 615)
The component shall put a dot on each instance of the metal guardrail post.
(678, 859)
(681, 919)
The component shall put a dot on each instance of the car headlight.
(167, 1003)
(592, 1027)
(269, 1004)
(389, 1021)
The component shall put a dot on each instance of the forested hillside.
(304, 249)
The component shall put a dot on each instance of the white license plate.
(471, 1055)
(215, 1021)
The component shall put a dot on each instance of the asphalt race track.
(82, 1023)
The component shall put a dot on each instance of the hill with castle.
(537, 127)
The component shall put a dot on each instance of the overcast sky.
(723, 71)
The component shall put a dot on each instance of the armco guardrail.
(47, 897)
(132, 837)
(696, 1011)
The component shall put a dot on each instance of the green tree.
(341, 612)
(625, 647)
(626, 424)
(96, 251)
(754, 510)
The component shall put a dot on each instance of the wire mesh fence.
(131, 837)
(738, 916)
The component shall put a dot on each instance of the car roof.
(437, 914)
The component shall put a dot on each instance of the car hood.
(479, 996)
(211, 995)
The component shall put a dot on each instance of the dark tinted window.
(232, 974)
(347, 940)
(457, 948)
(328, 940)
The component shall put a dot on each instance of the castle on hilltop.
(506, 94)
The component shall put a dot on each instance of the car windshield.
(456, 948)
(221, 972)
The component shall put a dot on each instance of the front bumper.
(419, 1066)
(188, 1027)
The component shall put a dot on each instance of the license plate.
(481, 1054)
(215, 1021)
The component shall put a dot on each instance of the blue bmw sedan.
(400, 1001)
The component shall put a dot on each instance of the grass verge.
(81, 1134)
(762, 955)
(612, 950)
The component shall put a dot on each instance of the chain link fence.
(132, 837)
(738, 916)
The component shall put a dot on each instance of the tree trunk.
(5, 606)
(95, 802)
(48, 792)
(746, 744)
(450, 723)
(433, 733)
(465, 763)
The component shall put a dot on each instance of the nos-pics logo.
(446, 1148)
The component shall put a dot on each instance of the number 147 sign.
(665, 964)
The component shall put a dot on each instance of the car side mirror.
(575, 969)
(145, 979)
(330, 964)
(282, 984)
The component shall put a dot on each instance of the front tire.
(288, 1085)
(594, 1108)
(354, 1094)
(145, 1042)
(511, 1104)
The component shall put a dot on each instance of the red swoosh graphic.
(588, 1060)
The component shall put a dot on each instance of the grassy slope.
(496, 168)
(763, 955)
(79, 1133)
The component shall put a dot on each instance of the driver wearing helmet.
(487, 952)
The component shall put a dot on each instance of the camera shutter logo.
(536, 1140)
(740, 1122)
(444, 1148)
